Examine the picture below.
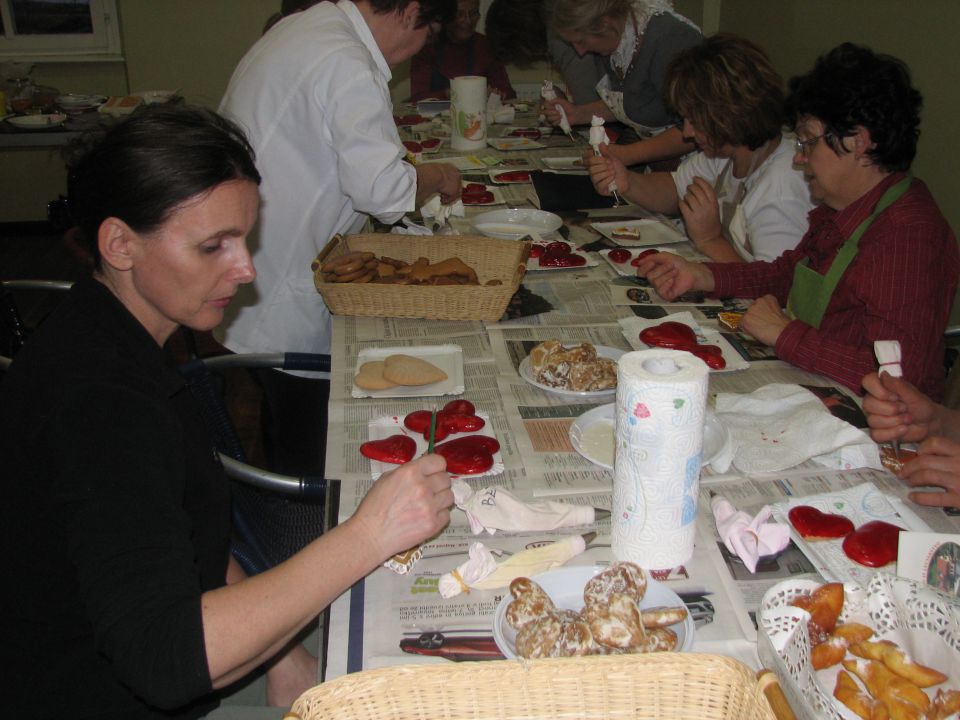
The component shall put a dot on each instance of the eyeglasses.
(804, 147)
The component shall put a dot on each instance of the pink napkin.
(748, 538)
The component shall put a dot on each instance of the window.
(59, 29)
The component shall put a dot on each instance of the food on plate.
(409, 370)
(577, 368)
(862, 703)
(482, 197)
(457, 416)
(513, 176)
(945, 703)
(413, 147)
(474, 188)
(626, 232)
(730, 320)
(619, 255)
(408, 119)
(532, 133)
(396, 449)
(365, 267)
(893, 463)
(636, 261)
(370, 377)
(430, 143)
(824, 605)
(611, 620)
(560, 254)
(902, 698)
(469, 455)
(679, 336)
(813, 524)
(898, 662)
(873, 544)
(834, 648)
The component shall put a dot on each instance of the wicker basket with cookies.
(461, 277)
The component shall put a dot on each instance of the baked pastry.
(576, 368)
(408, 370)
(626, 232)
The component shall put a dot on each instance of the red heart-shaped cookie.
(468, 455)
(619, 255)
(636, 261)
(812, 524)
(710, 354)
(483, 197)
(396, 449)
(670, 334)
(873, 544)
(413, 146)
(459, 407)
(430, 143)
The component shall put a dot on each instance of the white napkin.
(548, 94)
(750, 538)
(409, 227)
(781, 425)
(494, 508)
(497, 112)
(482, 572)
(440, 212)
(888, 355)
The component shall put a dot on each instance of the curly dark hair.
(728, 89)
(431, 11)
(517, 32)
(853, 86)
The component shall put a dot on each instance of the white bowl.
(514, 223)
(565, 587)
(37, 122)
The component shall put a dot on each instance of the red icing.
(468, 455)
(670, 334)
(536, 251)
(814, 524)
(483, 197)
(431, 142)
(396, 449)
(636, 261)
(517, 176)
(873, 544)
(413, 146)
(459, 407)
(531, 133)
(619, 255)
(457, 416)
(471, 188)
(710, 354)
(559, 254)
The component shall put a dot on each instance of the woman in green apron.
(637, 39)
(879, 261)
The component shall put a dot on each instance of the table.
(369, 622)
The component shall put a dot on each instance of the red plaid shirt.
(900, 286)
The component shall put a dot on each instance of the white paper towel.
(661, 402)
(468, 112)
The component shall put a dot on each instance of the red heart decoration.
(459, 407)
(812, 524)
(536, 251)
(513, 176)
(619, 255)
(471, 188)
(531, 133)
(670, 334)
(710, 354)
(636, 261)
(457, 416)
(559, 254)
(477, 198)
(413, 146)
(430, 142)
(873, 544)
(396, 449)
(468, 455)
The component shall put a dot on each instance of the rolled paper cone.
(533, 561)
(659, 413)
(468, 112)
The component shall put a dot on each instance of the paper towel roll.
(661, 401)
(468, 112)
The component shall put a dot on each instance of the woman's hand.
(606, 169)
(937, 465)
(671, 275)
(701, 214)
(765, 320)
(550, 110)
(896, 410)
(407, 505)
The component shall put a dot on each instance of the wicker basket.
(661, 686)
(493, 259)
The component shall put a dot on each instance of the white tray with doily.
(921, 620)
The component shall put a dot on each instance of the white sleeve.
(776, 210)
(696, 165)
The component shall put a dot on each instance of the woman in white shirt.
(740, 197)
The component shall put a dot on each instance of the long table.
(370, 623)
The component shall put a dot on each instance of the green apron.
(811, 292)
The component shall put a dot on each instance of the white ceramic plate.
(448, 358)
(631, 328)
(431, 107)
(514, 223)
(37, 122)
(514, 143)
(565, 164)
(602, 350)
(592, 435)
(565, 587)
(383, 427)
(652, 232)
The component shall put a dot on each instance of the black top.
(115, 518)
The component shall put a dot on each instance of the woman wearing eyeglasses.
(460, 50)
(879, 261)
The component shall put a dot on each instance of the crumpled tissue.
(494, 508)
(749, 538)
(781, 425)
(481, 571)
(409, 227)
(441, 213)
(497, 112)
(548, 93)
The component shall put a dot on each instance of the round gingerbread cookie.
(537, 638)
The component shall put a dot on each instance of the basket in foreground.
(492, 259)
(678, 686)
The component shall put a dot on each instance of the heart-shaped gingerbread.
(710, 354)
(470, 455)
(396, 449)
(812, 524)
(370, 376)
(671, 334)
(873, 544)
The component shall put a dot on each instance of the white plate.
(448, 358)
(496, 191)
(565, 587)
(514, 223)
(652, 232)
(514, 143)
(74, 102)
(565, 164)
(383, 427)
(602, 350)
(631, 328)
(592, 435)
(431, 107)
(37, 122)
(534, 263)
(151, 97)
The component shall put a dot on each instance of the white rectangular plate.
(383, 427)
(631, 328)
(652, 232)
(448, 358)
(514, 143)
(565, 164)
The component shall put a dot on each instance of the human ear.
(410, 14)
(862, 142)
(115, 241)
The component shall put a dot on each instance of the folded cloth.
(748, 538)
(782, 425)
(494, 508)
(548, 93)
(482, 572)
(406, 226)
